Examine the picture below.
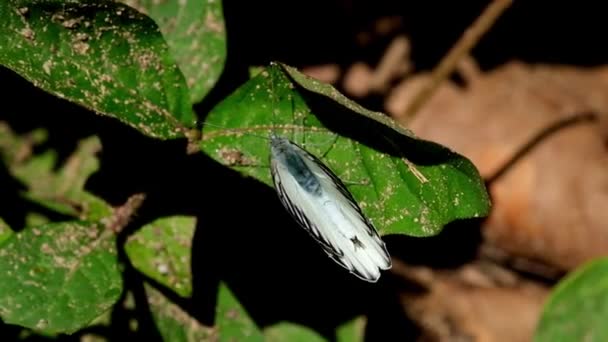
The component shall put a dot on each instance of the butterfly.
(320, 202)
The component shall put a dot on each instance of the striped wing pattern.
(333, 217)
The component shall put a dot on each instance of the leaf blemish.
(28, 33)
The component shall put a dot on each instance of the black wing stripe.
(342, 189)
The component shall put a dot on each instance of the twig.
(469, 38)
(538, 138)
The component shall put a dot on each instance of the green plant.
(577, 307)
(62, 276)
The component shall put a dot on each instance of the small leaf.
(255, 70)
(232, 321)
(15, 149)
(161, 250)
(104, 56)
(577, 310)
(194, 30)
(173, 323)
(61, 190)
(287, 331)
(5, 231)
(402, 183)
(58, 277)
(351, 331)
(34, 219)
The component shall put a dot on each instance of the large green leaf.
(61, 190)
(403, 184)
(58, 277)
(194, 30)
(577, 310)
(161, 250)
(102, 55)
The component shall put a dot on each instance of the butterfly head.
(278, 144)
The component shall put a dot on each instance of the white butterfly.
(321, 204)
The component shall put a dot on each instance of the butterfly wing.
(333, 218)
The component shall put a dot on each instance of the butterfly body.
(318, 200)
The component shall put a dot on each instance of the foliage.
(145, 64)
(577, 308)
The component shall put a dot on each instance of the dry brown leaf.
(473, 304)
(357, 80)
(550, 206)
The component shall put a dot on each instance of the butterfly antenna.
(274, 102)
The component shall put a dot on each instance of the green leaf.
(161, 250)
(15, 149)
(353, 330)
(61, 190)
(173, 323)
(350, 331)
(5, 231)
(33, 219)
(402, 183)
(195, 32)
(577, 309)
(104, 56)
(255, 70)
(58, 277)
(232, 321)
(287, 331)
